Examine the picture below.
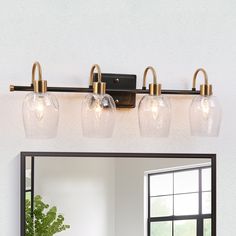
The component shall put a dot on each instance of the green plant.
(44, 220)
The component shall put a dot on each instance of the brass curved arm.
(95, 67)
(195, 77)
(35, 66)
(154, 74)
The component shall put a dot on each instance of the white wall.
(122, 36)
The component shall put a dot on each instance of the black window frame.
(198, 217)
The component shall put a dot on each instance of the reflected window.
(29, 166)
(179, 202)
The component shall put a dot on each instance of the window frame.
(198, 217)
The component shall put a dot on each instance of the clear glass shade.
(40, 115)
(98, 116)
(154, 116)
(205, 116)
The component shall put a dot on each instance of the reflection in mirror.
(121, 196)
(184, 192)
(28, 177)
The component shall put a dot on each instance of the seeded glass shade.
(40, 115)
(154, 116)
(205, 116)
(98, 115)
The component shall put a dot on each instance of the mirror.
(118, 194)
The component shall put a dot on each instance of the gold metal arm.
(93, 68)
(154, 88)
(206, 88)
(154, 74)
(196, 74)
(98, 87)
(36, 65)
(40, 85)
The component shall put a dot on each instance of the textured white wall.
(67, 36)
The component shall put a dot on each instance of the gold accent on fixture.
(40, 85)
(205, 89)
(12, 88)
(98, 87)
(154, 88)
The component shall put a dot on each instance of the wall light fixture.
(205, 111)
(110, 91)
(98, 109)
(40, 109)
(154, 109)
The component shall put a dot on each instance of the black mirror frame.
(23, 156)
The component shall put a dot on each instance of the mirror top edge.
(119, 154)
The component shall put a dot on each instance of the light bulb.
(155, 110)
(98, 109)
(97, 106)
(205, 116)
(39, 109)
(40, 115)
(205, 107)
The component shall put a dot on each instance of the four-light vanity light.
(41, 109)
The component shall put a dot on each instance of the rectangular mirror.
(118, 194)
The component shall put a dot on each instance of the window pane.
(28, 180)
(161, 184)
(207, 227)
(206, 203)
(161, 228)
(185, 228)
(186, 204)
(28, 173)
(28, 196)
(206, 179)
(161, 206)
(186, 181)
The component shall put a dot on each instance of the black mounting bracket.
(116, 84)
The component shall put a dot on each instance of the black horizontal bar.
(89, 90)
(183, 217)
(180, 92)
(205, 166)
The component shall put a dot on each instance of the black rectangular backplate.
(120, 82)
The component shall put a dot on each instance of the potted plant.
(44, 220)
